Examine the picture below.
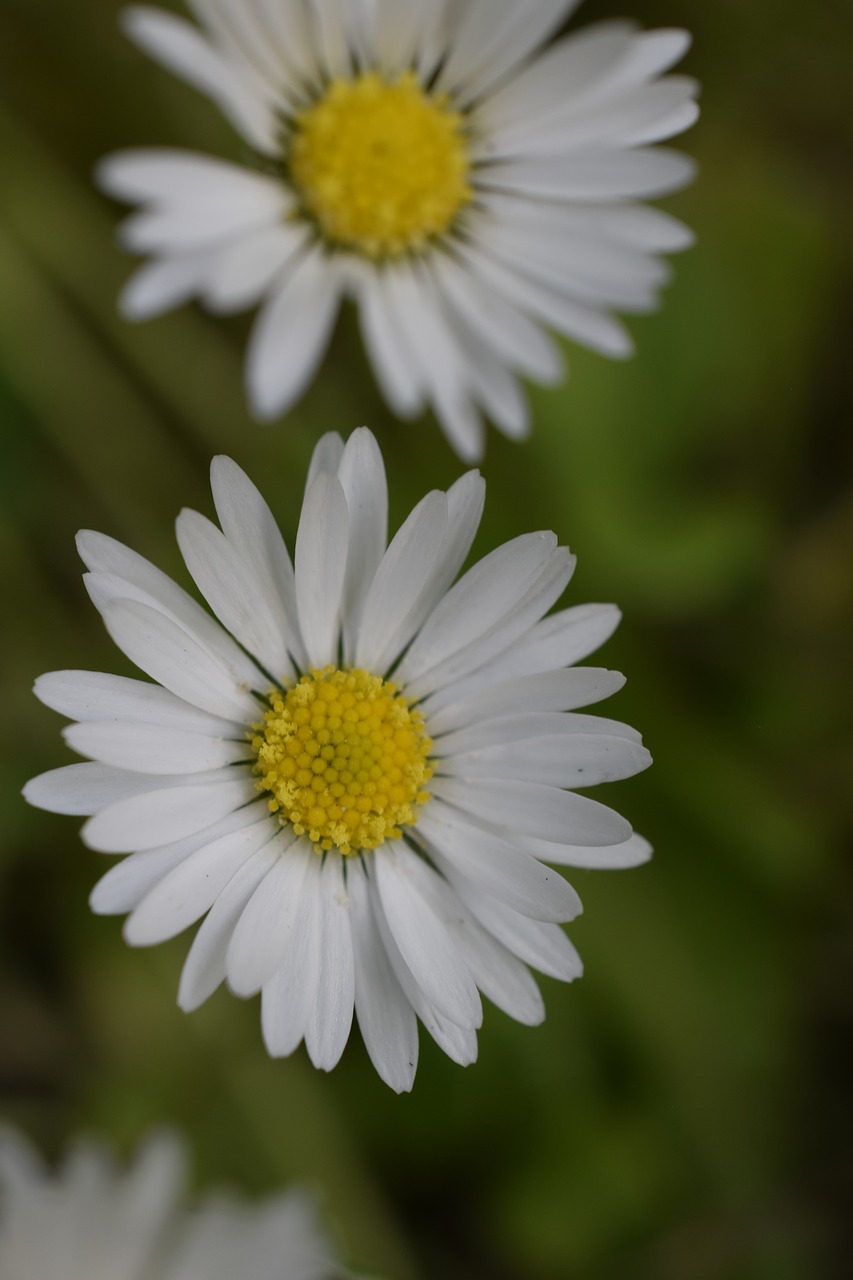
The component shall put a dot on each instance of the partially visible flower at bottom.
(92, 1219)
(359, 785)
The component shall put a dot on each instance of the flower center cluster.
(344, 759)
(381, 166)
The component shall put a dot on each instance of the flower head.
(430, 159)
(89, 1218)
(356, 770)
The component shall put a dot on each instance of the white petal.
(459, 1043)
(595, 175)
(395, 370)
(162, 284)
(559, 640)
(264, 933)
(478, 600)
(235, 596)
(122, 574)
(529, 725)
(629, 853)
(291, 334)
(498, 974)
(579, 760)
(496, 867)
(157, 817)
(190, 890)
(126, 884)
(546, 587)
(148, 748)
(243, 271)
(508, 333)
(547, 691)
(326, 456)
(182, 49)
(250, 527)
(385, 1017)
(398, 584)
(330, 1019)
(544, 812)
(321, 563)
(167, 653)
(97, 695)
(424, 943)
(204, 969)
(493, 39)
(84, 789)
(290, 994)
(362, 477)
(543, 946)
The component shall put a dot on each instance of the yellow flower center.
(344, 758)
(381, 166)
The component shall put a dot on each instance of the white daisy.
(354, 777)
(430, 159)
(90, 1219)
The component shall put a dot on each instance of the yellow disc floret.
(344, 758)
(381, 166)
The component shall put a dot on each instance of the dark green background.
(682, 1114)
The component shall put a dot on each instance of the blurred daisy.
(357, 773)
(428, 159)
(90, 1219)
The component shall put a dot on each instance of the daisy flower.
(91, 1219)
(462, 179)
(356, 771)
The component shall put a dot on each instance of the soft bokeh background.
(682, 1114)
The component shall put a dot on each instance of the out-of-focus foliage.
(682, 1113)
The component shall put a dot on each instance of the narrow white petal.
(362, 477)
(97, 695)
(459, 1043)
(544, 812)
(204, 969)
(424, 943)
(126, 884)
(84, 789)
(543, 946)
(498, 974)
(157, 817)
(559, 640)
(243, 271)
(578, 760)
(250, 527)
(191, 888)
(123, 574)
(265, 930)
(546, 691)
(495, 866)
(399, 581)
(629, 853)
(167, 653)
(395, 370)
(330, 1019)
(321, 563)
(235, 596)
(478, 600)
(163, 284)
(148, 748)
(291, 334)
(598, 174)
(529, 725)
(290, 994)
(385, 1017)
(326, 456)
(181, 48)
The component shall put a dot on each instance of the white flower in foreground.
(90, 1219)
(429, 159)
(359, 786)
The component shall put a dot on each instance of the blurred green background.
(683, 1112)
